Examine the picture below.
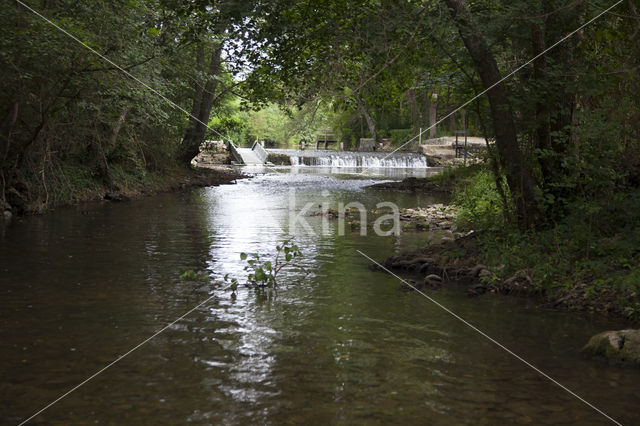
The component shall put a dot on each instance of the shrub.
(479, 203)
(400, 136)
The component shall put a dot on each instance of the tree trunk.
(117, 127)
(433, 115)
(9, 124)
(102, 151)
(517, 171)
(563, 101)
(370, 123)
(203, 98)
(197, 92)
(452, 121)
(416, 122)
(543, 130)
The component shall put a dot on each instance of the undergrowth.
(595, 245)
(71, 180)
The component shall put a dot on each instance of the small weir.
(353, 159)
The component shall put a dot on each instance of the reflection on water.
(83, 285)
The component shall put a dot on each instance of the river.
(343, 345)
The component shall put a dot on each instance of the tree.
(203, 98)
(207, 30)
(357, 54)
(69, 116)
(517, 171)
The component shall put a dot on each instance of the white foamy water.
(354, 159)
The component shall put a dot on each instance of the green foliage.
(632, 309)
(264, 273)
(306, 68)
(458, 174)
(191, 275)
(233, 283)
(77, 119)
(597, 244)
(269, 124)
(479, 203)
(400, 136)
(67, 109)
(335, 51)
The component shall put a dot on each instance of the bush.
(479, 203)
(596, 244)
(400, 136)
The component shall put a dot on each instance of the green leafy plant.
(233, 283)
(632, 311)
(191, 275)
(479, 202)
(264, 273)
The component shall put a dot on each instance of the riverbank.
(124, 187)
(584, 263)
(459, 263)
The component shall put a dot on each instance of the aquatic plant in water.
(264, 273)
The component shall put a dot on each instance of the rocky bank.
(456, 262)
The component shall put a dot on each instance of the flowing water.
(83, 285)
(372, 160)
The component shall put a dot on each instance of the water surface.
(343, 345)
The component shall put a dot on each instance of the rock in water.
(622, 346)
(433, 281)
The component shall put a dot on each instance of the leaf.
(243, 256)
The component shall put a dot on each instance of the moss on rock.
(622, 346)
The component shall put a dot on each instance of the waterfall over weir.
(353, 159)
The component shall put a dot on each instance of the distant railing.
(260, 152)
(234, 151)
